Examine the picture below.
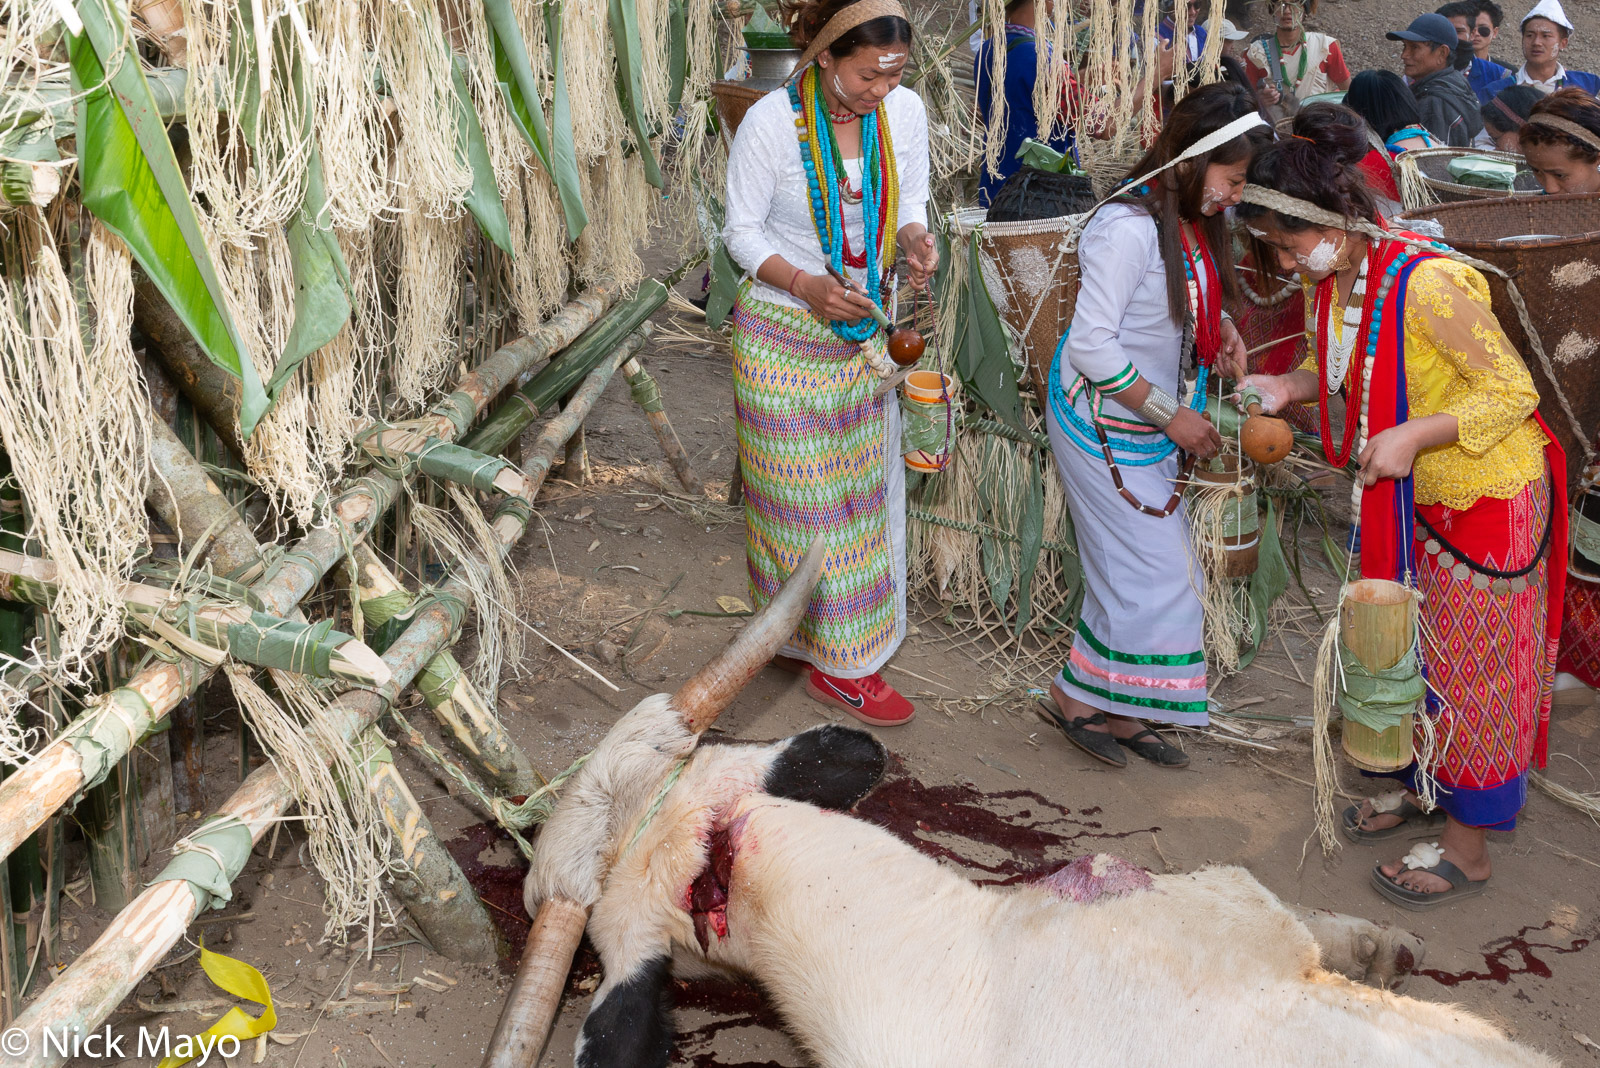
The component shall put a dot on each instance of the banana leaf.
(130, 181)
(725, 275)
(514, 71)
(483, 200)
(1032, 539)
(321, 280)
(321, 276)
(983, 356)
(630, 81)
(677, 55)
(1267, 584)
(997, 569)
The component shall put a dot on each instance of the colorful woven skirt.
(1138, 650)
(1580, 629)
(820, 454)
(1490, 663)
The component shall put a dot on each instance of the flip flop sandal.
(1417, 901)
(1414, 823)
(1158, 751)
(1097, 744)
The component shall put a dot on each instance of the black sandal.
(1414, 823)
(1422, 900)
(1160, 752)
(1098, 744)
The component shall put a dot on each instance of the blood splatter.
(1499, 957)
(905, 806)
(737, 1004)
(499, 886)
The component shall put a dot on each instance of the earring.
(1341, 259)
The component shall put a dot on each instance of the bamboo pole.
(140, 935)
(32, 580)
(111, 831)
(647, 395)
(57, 774)
(467, 719)
(432, 886)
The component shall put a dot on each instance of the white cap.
(1549, 9)
(1230, 32)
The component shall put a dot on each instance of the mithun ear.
(830, 767)
(630, 1024)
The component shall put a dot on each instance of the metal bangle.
(1159, 407)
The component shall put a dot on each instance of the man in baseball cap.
(1448, 105)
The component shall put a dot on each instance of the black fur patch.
(830, 767)
(632, 1026)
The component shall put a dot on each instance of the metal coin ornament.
(1264, 439)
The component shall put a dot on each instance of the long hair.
(1319, 163)
(1386, 102)
(804, 19)
(1178, 194)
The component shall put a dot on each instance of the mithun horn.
(705, 695)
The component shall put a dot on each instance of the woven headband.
(1285, 204)
(1566, 126)
(843, 21)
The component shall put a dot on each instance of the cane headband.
(843, 21)
(1516, 120)
(1568, 127)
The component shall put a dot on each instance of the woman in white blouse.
(1156, 269)
(831, 171)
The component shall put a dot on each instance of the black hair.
(1459, 9)
(1178, 194)
(1496, 14)
(1574, 105)
(1321, 163)
(1384, 100)
(1519, 98)
(804, 19)
(1012, 5)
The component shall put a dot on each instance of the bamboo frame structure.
(140, 935)
(58, 773)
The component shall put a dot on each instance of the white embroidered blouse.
(769, 204)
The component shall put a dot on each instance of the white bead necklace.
(1342, 343)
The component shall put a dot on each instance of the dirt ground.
(978, 781)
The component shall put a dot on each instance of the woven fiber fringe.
(73, 421)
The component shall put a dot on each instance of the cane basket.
(734, 99)
(1551, 246)
(1433, 165)
(1032, 280)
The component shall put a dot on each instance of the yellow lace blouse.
(1459, 361)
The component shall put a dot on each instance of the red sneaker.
(869, 699)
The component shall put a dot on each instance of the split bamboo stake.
(140, 935)
(461, 711)
(62, 770)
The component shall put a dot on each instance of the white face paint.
(889, 59)
(838, 87)
(1321, 259)
(1211, 199)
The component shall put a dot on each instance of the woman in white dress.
(1156, 268)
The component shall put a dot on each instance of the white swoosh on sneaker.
(857, 701)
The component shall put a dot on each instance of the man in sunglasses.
(1476, 24)
(1293, 63)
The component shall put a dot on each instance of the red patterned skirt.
(1490, 663)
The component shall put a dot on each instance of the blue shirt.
(1575, 79)
(1021, 73)
(1483, 73)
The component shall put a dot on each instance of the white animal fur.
(878, 957)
